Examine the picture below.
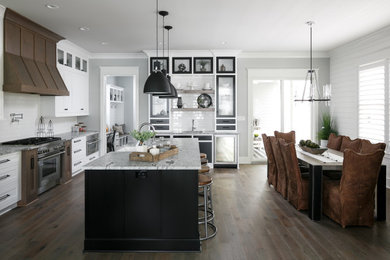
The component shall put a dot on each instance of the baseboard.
(245, 160)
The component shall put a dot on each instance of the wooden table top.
(316, 160)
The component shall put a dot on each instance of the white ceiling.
(248, 25)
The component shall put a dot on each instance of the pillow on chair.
(350, 144)
(288, 137)
(118, 128)
(368, 147)
(334, 141)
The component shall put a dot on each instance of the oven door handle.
(92, 142)
(50, 156)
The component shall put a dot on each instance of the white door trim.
(116, 71)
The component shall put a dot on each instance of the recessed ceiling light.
(84, 28)
(223, 43)
(104, 43)
(52, 6)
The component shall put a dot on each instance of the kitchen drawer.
(204, 137)
(8, 179)
(161, 127)
(182, 136)
(226, 127)
(226, 121)
(164, 136)
(159, 121)
(78, 153)
(78, 143)
(77, 164)
(8, 198)
(9, 162)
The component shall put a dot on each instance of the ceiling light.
(223, 43)
(311, 78)
(157, 82)
(104, 43)
(50, 6)
(84, 28)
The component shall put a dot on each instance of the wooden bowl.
(313, 150)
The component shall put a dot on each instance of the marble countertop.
(198, 133)
(73, 135)
(187, 159)
(7, 149)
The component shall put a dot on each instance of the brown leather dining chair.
(297, 186)
(347, 143)
(368, 147)
(351, 201)
(281, 186)
(334, 141)
(271, 171)
(289, 137)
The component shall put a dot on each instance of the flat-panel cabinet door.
(207, 148)
(142, 199)
(225, 149)
(226, 96)
(105, 204)
(63, 104)
(179, 202)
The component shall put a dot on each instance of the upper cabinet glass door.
(226, 100)
(159, 107)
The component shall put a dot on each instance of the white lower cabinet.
(10, 174)
(79, 154)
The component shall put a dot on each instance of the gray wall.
(93, 120)
(243, 64)
(127, 84)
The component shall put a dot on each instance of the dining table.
(332, 160)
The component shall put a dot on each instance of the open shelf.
(191, 109)
(195, 91)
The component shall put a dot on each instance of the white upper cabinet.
(72, 63)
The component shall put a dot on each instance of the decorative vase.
(179, 102)
(141, 147)
(202, 67)
(323, 143)
(223, 68)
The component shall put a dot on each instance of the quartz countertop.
(187, 159)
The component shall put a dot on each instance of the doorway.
(271, 107)
(118, 101)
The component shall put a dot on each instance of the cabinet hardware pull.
(79, 150)
(4, 177)
(82, 109)
(76, 163)
(92, 158)
(4, 197)
(76, 141)
(66, 109)
(4, 161)
(32, 163)
(141, 175)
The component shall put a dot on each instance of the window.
(372, 102)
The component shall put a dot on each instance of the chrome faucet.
(153, 129)
(193, 128)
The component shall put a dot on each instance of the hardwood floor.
(254, 222)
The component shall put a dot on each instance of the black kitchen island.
(141, 206)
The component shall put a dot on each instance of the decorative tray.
(313, 150)
(165, 152)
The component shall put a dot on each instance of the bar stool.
(203, 155)
(207, 220)
(204, 161)
(204, 169)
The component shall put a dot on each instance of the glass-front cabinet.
(226, 105)
(159, 113)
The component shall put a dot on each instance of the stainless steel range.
(50, 150)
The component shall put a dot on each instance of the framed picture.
(203, 65)
(164, 61)
(226, 64)
(182, 65)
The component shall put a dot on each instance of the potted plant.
(142, 137)
(328, 127)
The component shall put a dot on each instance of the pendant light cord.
(157, 28)
(163, 36)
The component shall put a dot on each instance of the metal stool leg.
(205, 210)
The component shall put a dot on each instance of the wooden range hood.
(30, 57)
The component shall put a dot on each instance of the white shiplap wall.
(344, 77)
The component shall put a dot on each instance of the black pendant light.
(157, 82)
(173, 89)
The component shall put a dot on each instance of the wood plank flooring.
(254, 222)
